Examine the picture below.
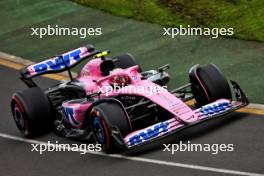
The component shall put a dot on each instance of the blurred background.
(136, 27)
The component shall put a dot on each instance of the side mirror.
(163, 68)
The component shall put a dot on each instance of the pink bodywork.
(92, 81)
(87, 76)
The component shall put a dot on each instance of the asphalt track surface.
(243, 130)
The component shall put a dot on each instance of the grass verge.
(245, 16)
(240, 60)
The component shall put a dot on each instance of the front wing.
(210, 111)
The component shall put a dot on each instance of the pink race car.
(116, 102)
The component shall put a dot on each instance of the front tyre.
(208, 84)
(104, 117)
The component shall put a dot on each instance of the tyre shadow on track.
(188, 134)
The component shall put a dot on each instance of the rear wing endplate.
(57, 64)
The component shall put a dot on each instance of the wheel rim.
(19, 118)
(99, 130)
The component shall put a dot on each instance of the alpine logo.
(69, 116)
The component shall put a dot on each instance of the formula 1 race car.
(116, 102)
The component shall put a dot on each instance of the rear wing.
(57, 64)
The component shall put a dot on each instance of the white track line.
(146, 160)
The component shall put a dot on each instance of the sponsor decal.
(149, 133)
(70, 116)
(215, 107)
(57, 63)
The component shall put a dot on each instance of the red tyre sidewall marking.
(20, 106)
(204, 87)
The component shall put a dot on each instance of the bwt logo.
(149, 133)
(57, 63)
(215, 107)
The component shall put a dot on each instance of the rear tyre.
(208, 84)
(32, 112)
(104, 117)
(125, 61)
